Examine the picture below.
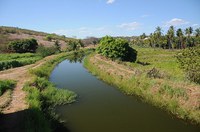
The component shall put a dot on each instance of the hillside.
(8, 34)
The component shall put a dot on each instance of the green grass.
(5, 85)
(8, 61)
(162, 59)
(168, 94)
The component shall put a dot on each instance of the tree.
(197, 36)
(179, 34)
(74, 45)
(143, 36)
(57, 45)
(189, 61)
(189, 40)
(197, 32)
(23, 46)
(170, 36)
(116, 49)
(158, 35)
(49, 37)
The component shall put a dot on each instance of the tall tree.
(188, 32)
(197, 32)
(179, 34)
(170, 36)
(158, 35)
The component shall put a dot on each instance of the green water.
(102, 108)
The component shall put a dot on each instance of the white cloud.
(83, 32)
(110, 1)
(130, 26)
(195, 25)
(175, 22)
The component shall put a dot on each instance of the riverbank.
(155, 78)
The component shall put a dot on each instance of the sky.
(85, 18)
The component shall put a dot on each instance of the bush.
(74, 45)
(23, 46)
(46, 51)
(116, 49)
(49, 37)
(6, 84)
(189, 60)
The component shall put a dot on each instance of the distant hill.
(8, 34)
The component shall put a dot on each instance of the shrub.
(189, 60)
(116, 49)
(49, 37)
(23, 46)
(74, 45)
(46, 51)
(154, 73)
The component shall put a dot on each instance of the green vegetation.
(46, 51)
(173, 39)
(155, 77)
(23, 46)
(74, 45)
(16, 60)
(189, 60)
(116, 49)
(5, 85)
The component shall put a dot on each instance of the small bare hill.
(8, 34)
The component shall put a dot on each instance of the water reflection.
(76, 57)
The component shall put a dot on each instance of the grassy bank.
(6, 87)
(155, 77)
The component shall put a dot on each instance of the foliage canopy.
(23, 46)
(116, 49)
(189, 60)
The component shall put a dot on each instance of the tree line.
(173, 39)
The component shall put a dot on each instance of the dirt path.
(21, 75)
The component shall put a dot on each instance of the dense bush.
(116, 49)
(23, 46)
(49, 37)
(74, 45)
(6, 84)
(189, 60)
(46, 51)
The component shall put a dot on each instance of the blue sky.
(83, 18)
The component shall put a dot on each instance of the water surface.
(102, 108)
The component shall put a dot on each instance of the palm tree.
(170, 36)
(179, 34)
(158, 35)
(197, 32)
(188, 32)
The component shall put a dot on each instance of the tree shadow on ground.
(15, 122)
